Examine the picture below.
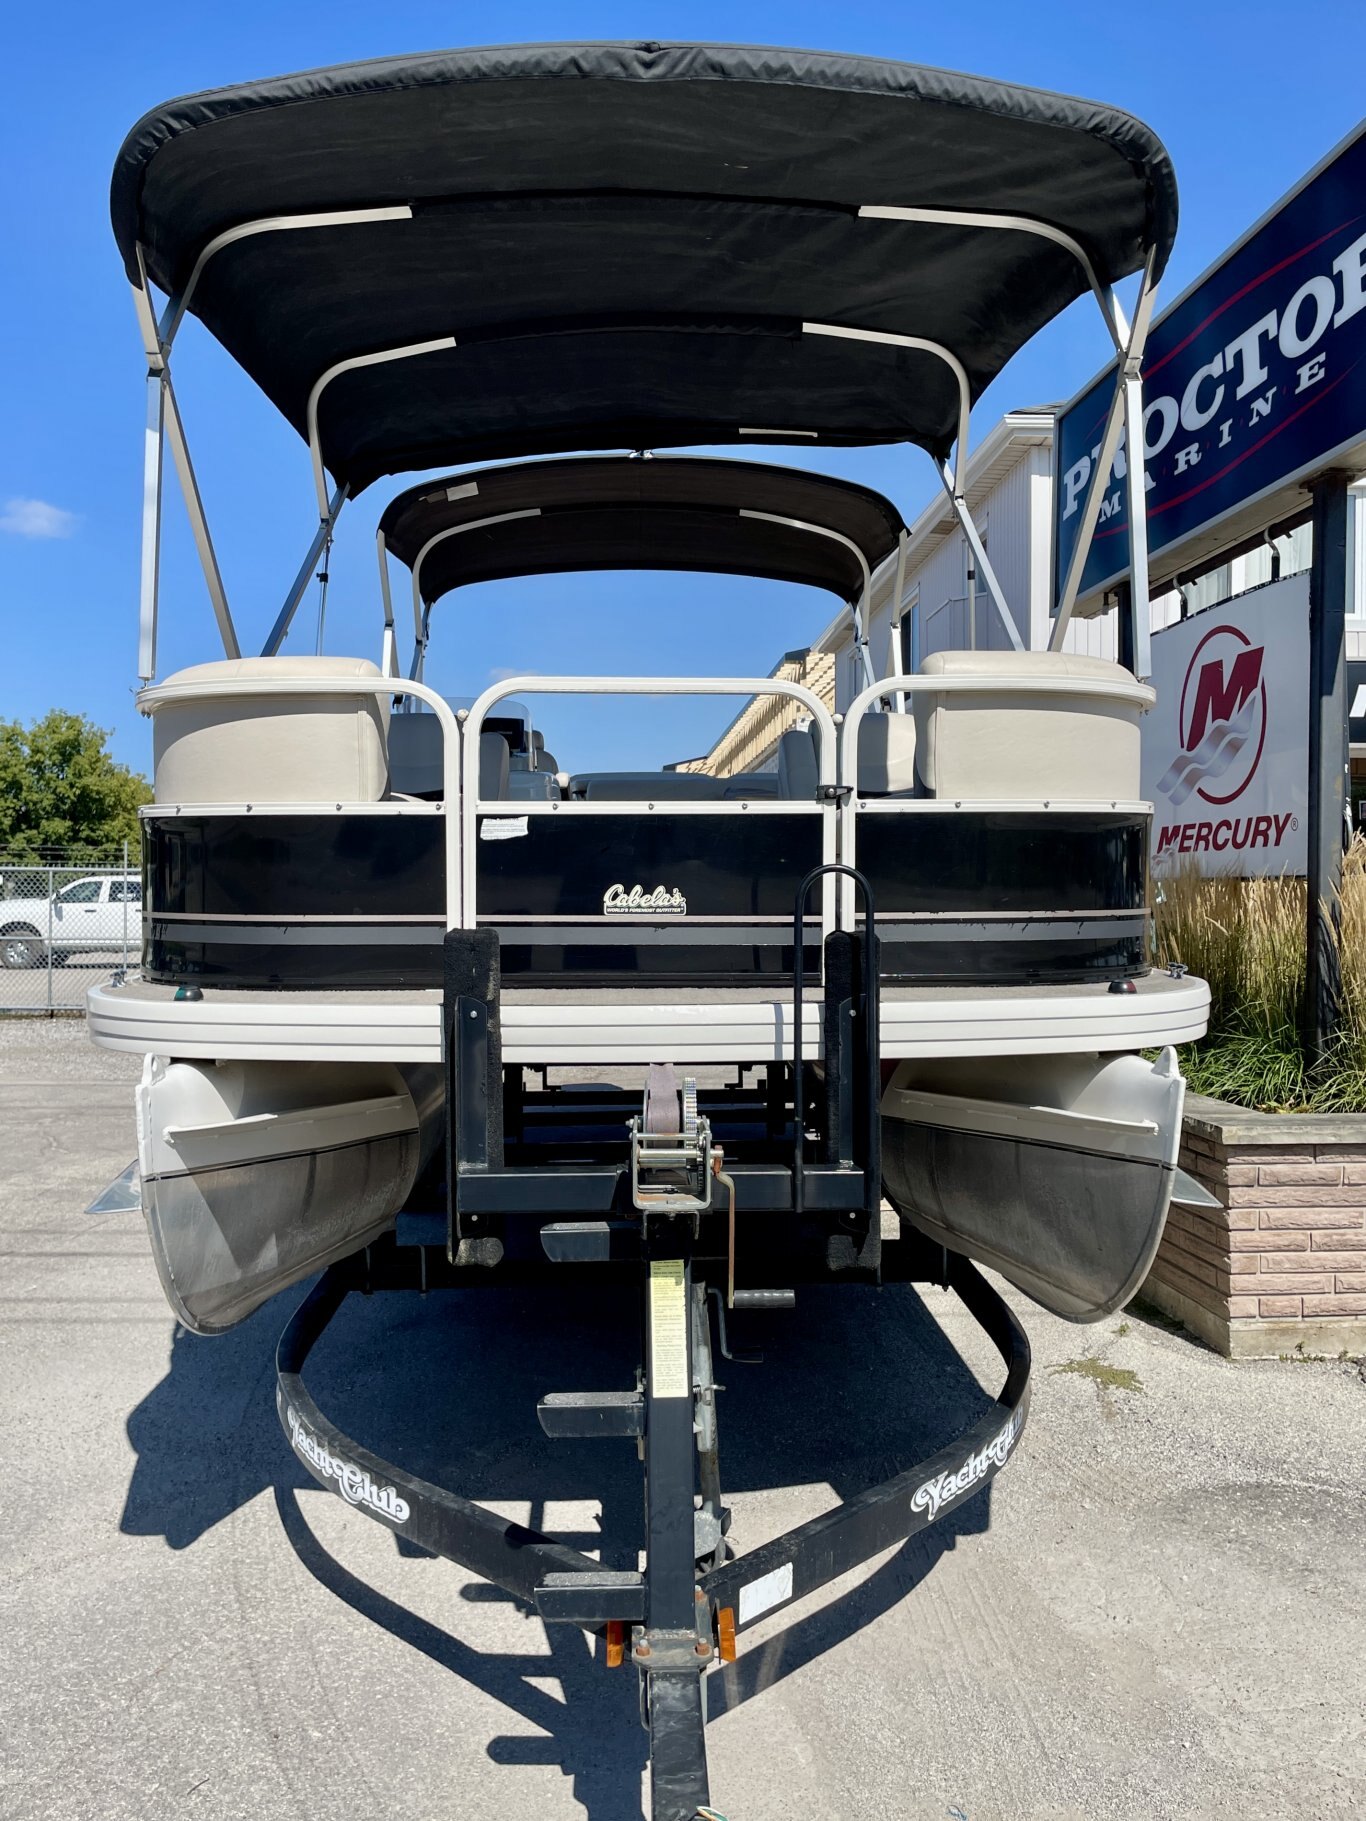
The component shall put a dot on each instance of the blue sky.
(1247, 98)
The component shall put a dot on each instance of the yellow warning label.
(668, 1329)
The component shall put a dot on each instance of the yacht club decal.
(662, 901)
(945, 1487)
(353, 1482)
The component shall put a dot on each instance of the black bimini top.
(662, 512)
(618, 245)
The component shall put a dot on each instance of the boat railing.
(1085, 811)
(822, 723)
(1132, 693)
(164, 695)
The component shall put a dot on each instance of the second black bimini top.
(665, 512)
(619, 245)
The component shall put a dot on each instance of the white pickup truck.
(89, 915)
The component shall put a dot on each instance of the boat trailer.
(684, 1609)
(521, 1173)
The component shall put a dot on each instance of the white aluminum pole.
(419, 663)
(981, 561)
(174, 312)
(148, 593)
(859, 607)
(153, 448)
(919, 345)
(1090, 514)
(389, 650)
(276, 637)
(475, 524)
(194, 505)
(861, 641)
(895, 663)
(1126, 402)
(147, 318)
(378, 359)
(323, 579)
(1139, 584)
(1021, 224)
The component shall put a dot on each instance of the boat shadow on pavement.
(855, 1388)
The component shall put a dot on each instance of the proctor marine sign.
(1223, 750)
(1252, 379)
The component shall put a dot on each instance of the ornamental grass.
(1246, 937)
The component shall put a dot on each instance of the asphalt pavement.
(1158, 1610)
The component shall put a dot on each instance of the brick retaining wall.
(1281, 1264)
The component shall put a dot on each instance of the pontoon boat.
(906, 957)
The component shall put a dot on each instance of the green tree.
(60, 789)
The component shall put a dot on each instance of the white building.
(1010, 492)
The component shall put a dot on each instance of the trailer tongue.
(682, 1612)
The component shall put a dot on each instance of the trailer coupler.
(684, 1611)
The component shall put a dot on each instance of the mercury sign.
(1223, 750)
(1252, 379)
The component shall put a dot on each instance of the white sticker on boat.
(945, 1487)
(661, 901)
(353, 1482)
(502, 828)
(763, 1595)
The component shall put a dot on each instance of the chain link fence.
(67, 921)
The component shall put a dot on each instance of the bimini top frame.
(486, 254)
(618, 512)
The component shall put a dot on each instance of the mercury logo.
(662, 901)
(1221, 720)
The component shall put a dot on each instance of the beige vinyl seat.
(886, 755)
(286, 748)
(1030, 741)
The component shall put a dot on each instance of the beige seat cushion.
(283, 748)
(1030, 743)
(886, 754)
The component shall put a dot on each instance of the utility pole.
(1328, 585)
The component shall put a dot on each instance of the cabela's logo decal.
(948, 1486)
(353, 1482)
(663, 901)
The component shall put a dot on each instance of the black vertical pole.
(1128, 652)
(1328, 583)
